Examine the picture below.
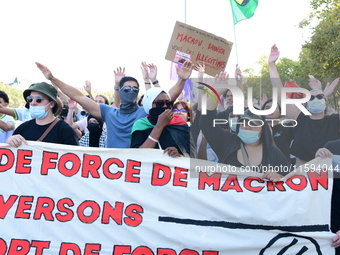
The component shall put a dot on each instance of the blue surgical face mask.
(248, 136)
(316, 106)
(233, 123)
(38, 112)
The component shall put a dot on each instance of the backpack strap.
(48, 129)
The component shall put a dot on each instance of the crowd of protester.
(56, 112)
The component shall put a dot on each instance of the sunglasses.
(319, 96)
(179, 110)
(128, 88)
(161, 103)
(38, 99)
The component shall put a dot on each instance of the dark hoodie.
(226, 144)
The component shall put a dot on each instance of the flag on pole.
(243, 9)
(14, 82)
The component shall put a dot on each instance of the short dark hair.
(127, 78)
(4, 96)
(270, 100)
(140, 101)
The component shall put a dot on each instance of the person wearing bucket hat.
(118, 121)
(250, 148)
(44, 104)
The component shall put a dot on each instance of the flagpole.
(185, 11)
(235, 43)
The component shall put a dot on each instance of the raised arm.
(6, 126)
(7, 111)
(153, 75)
(212, 101)
(292, 111)
(183, 73)
(72, 92)
(88, 89)
(145, 72)
(69, 118)
(119, 74)
(328, 91)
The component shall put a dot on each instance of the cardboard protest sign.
(190, 43)
(58, 199)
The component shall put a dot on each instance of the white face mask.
(38, 112)
(249, 136)
(316, 105)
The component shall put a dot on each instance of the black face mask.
(128, 101)
(94, 127)
(154, 113)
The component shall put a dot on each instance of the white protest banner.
(58, 199)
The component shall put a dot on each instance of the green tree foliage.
(16, 98)
(320, 56)
(260, 81)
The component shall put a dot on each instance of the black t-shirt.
(310, 135)
(61, 133)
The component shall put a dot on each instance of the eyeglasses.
(38, 99)
(161, 103)
(179, 110)
(128, 88)
(318, 96)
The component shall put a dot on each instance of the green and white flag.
(243, 9)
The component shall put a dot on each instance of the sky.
(88, 40)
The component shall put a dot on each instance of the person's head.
(182, 109)
(156, 98)
(4, 100)
(250, 131)
(267, 105)
(140, 101)
(317, 103)
(27, 105)
(128, 81)
(94, 124)
(113, 104)
(43, 99)
(129, 89)
(100, 99)
(228, 98)
(232, 120)
(65, 110)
